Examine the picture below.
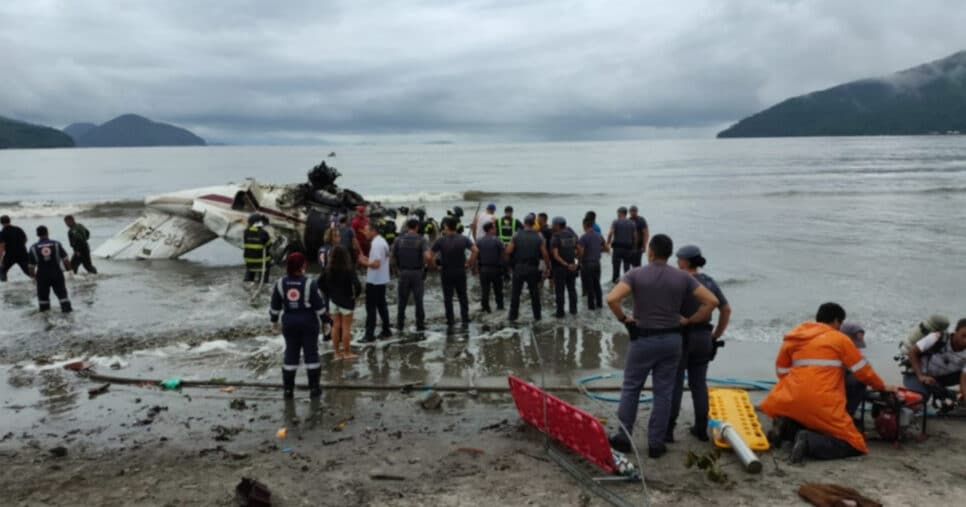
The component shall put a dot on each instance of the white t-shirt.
(944, 361)
(482, 219)
(378, 251)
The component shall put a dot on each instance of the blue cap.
(688, 252)
(491, 206)
(559, 221)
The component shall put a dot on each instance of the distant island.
(18, 134)
(928, 99)
(131, 130)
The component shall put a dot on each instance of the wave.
(42, 209)
(813, 193)
(470, 195)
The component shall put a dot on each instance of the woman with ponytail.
(342, 287)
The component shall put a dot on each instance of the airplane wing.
(156, 236)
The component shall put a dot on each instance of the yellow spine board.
(734, 407)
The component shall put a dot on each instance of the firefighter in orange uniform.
(808, 403)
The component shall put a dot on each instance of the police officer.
(298, 300)
(563, 254)
(410, 254)
(620, 241)
(491, 266)
(589, 248)
(508, 226)
(77, 236)
(525, 252)
(660, 292)
(641, 239)
(45, 259)
(452, 249)
(257, 241)
(13, 248)
(700, 345)
(457, 214)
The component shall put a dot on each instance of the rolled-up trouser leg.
(825, 447)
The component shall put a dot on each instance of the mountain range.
(18, 134)
(131, 130)
(927, 99)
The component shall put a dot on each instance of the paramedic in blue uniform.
(298, 301)
(45, 260)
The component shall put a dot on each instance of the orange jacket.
(811, 381)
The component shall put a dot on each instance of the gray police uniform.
(409, 251)
(491, 270)
(659, 293)
(565, 242)
(593, 244)
(640, 224)
(526, 270)
(622, 246)
(452, 251)
(698, 351)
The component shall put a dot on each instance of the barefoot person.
(299, 299)
(341, 286)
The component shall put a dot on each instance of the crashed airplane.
(177, 223)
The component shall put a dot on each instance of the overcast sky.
(467, 71)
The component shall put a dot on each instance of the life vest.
(811, 372)
(508, 227)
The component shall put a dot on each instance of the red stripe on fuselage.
(229, 201)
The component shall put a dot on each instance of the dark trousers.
(492, 278)
(455, 282)
(252, 271)
(698, 346)
(658, 354)
(636, 256)
(10, 261)
(82, 256)
(820, 446)
(620, 257)
(854, 393)
(52, 280)
(911, 382)
(565, 280)
(530, 276)
(376, 302)
(301, 332)
(590, 280)
(410, 283)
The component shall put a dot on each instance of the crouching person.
(938, 361)
(808, 402)
(298, 300)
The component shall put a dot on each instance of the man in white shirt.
(377, 279)
(938, 361)
(484, 217)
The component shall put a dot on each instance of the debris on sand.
(251, 493)
(431, 401)
(58, 452)
(378, 475)
(225, 433)
(152, 413)
(96, 391)
(238, 404)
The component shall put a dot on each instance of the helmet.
(458, 211)
(404, 210)
(391, 213)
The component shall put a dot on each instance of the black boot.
(288, 380)
(315, 390)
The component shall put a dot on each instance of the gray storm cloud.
(307, 71)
